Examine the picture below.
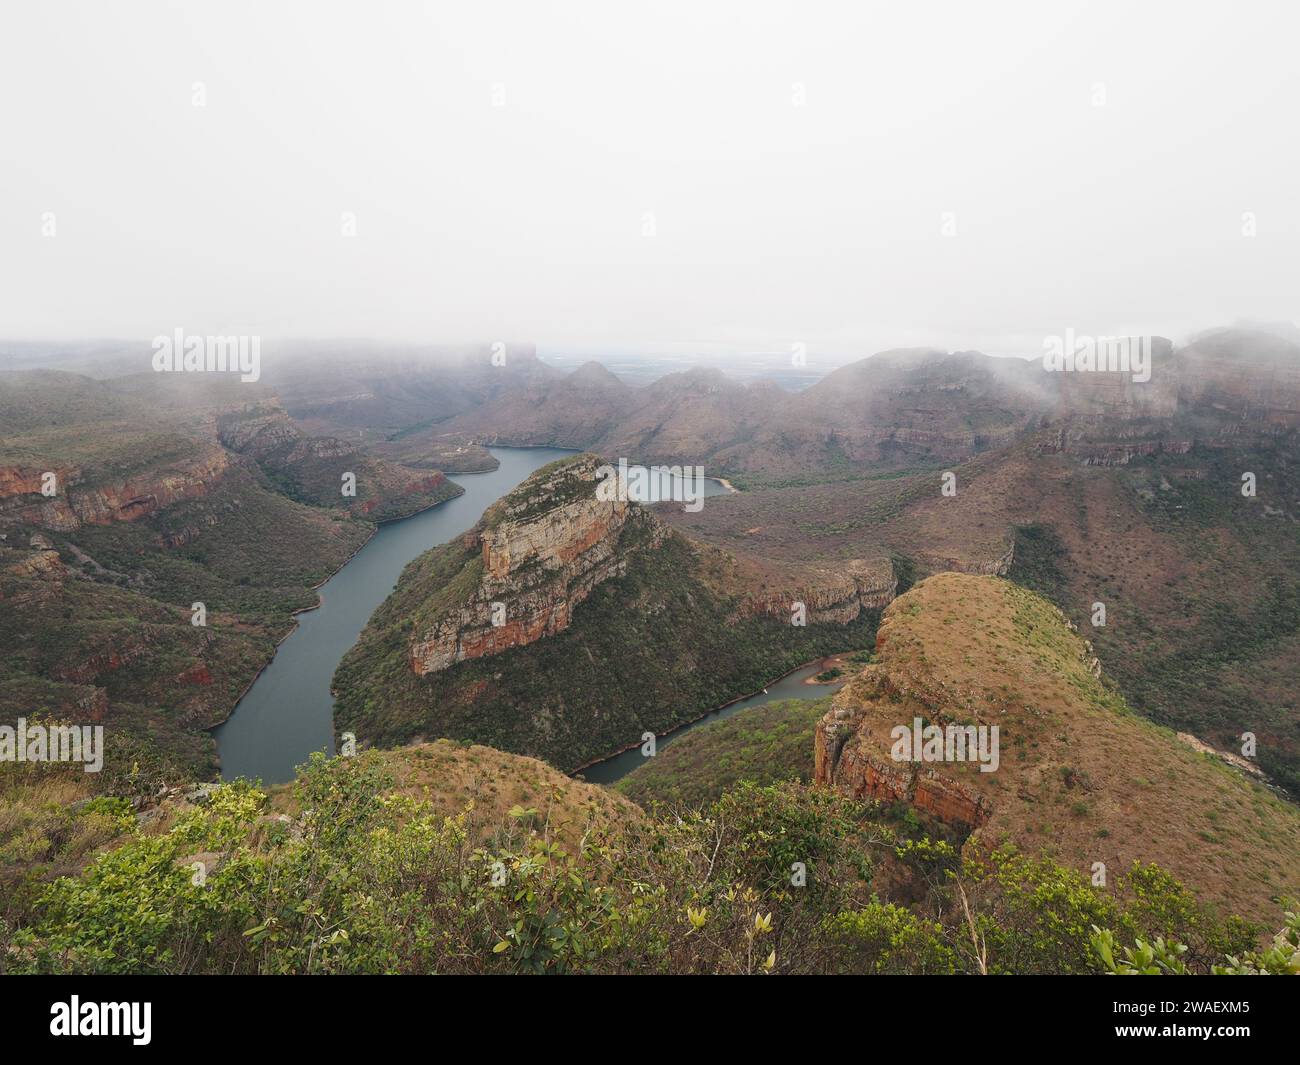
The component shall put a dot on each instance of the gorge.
(287, 712)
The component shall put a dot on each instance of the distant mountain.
(898, 410)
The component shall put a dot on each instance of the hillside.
(1114, 506)
(450, 859)
(166, 493)
(896, 409)
(763, 744)
(1080, 779)
(315, 469)
(609, 625)
(484, 785)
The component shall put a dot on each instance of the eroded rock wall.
(544, 549)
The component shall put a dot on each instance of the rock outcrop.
(543, 549)
(1224, 387)
(78, 502)
(317, 468)
(1072, 770)
(852, 752)
(835, 595)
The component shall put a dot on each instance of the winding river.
(288, 712)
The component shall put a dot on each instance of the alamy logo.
(950, 743)
(651, 484)
(1084, 354)
(53, 743)
(103, 1018)
(202, 354)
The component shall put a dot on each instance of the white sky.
(774, 223)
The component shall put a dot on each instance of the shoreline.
(839, 661)
(731, 488)
(293, 614)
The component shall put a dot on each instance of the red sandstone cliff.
(544, 548)
(127, 498)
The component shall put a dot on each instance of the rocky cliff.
(314, 468)
(80, 501)
(543, 549)
(1226, 386)
(567, 626)
(851, 752)
(834, 594)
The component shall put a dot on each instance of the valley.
(287, 713)
(953, 527)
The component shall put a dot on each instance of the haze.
(598, 177)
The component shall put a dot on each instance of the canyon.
(588, 597)
(842, 514)
(563, 627)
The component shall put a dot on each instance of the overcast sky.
(505, 163)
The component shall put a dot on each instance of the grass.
(764, 744)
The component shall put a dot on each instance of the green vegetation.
(763, 745)
(832, 467)
(1167, 958)
(647, 651)
(357, 878)
(311, 471)
(540, 493)
(119, 626)
(1037, 561)
(1214, 652)
(104, 630)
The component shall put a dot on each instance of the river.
(288, 712)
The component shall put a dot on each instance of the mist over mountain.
(576, 489)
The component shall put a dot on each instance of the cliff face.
(607, 624)
(112, 499)
(543, 549)
(31, 579)
(852, 744)
(836, 596)
(1247, 378)
(1226, 386)
(313, 467)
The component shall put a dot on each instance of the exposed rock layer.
(539, 560)
(76, 503)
